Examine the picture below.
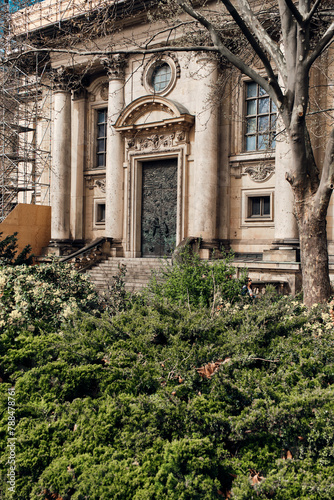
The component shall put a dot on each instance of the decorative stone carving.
(152, 143)
(66, 80)
(261, 172)
(115, 66)
(92, 182)
(101, 184)
(104, 91)
(61, 79)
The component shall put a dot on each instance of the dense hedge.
(169, 401)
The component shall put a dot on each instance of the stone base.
(283, 251)
(284, 254)
(61, 248)
(116, 248)
(207, 249)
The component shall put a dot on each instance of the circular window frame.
(152, 65)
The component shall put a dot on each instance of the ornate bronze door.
(159, 201)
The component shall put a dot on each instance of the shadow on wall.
(33, 225)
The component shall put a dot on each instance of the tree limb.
(295, 12)
(309, 16)
(225, 52)
(269, 45)
(104, 53)
(327, 176)
(168, 30)
(321, 45)
(255, 45)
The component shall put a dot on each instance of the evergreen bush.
(163, 400)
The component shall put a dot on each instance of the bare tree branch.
(321, 45)
(253, 42)
(260, 32)
(166, 30)
(104, 53)
(327, 177)
(308, 18)
(295, 12)
(225, 52)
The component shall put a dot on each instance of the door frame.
(140, 195)
(136, 197)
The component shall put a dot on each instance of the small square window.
(261, 115)
(259, 207)
(101, 137)
(100, 213)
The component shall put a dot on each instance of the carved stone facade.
(132, 112)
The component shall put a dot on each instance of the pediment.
(151, 111)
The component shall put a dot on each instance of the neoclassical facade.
(145, 153)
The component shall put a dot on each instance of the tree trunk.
(314, 258)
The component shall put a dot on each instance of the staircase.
(137, 276)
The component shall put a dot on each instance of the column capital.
(67, 80)
(61, 79)
(79, 93)
(115, 66)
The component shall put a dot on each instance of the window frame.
(271, 132)
(96, 153)
(152, 65)
(250, 208)
(98, 223)
(253, 220)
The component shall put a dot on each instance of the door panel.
(159, 202)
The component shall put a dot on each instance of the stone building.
(143, 154)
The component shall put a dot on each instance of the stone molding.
(146, 76)
(177, 117)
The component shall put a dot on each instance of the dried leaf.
(255, 476)
(289, 455)
(209, 369)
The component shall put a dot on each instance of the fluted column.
(204, 210)
(77, 163)
(115, 147)
(61, 163)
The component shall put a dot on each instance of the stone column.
(61, 164)
(77, 163)
(286, 229)
(115, 151)
(204, 207)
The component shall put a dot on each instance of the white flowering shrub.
(44, 296)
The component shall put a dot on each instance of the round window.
(161, 77)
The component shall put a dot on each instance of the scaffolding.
(26, 107)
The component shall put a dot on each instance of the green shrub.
(193, 281)
(8, 252)
(165, 401)
(44, 296)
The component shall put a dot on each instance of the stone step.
(138, 272)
